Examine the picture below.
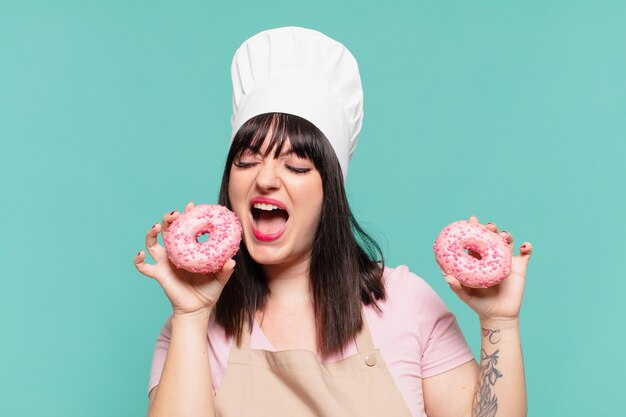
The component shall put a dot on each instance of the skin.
(498, 309)
(287, 319)
(293, 181)
(185, 387)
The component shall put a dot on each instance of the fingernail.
(523, 246)
(154, 225)
(138, 253)
(489, 223)
(504, 231)
(172, 212)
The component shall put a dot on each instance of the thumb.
(454, 283)
(224, 274)
(456, 286)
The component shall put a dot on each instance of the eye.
(297, 164)
(298, 170)
(244, 164)
(246, 159)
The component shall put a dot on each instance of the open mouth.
(269, 220)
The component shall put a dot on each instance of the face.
(278, 201)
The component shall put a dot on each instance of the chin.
(265, 254)
(273, 256)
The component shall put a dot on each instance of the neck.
(289, 283)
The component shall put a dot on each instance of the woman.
(308, 323)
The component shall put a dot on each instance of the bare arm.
(450, 394)
(501, 388)
(496, 387)
(185, 388)
(151, 396)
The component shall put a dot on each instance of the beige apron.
(259, 383)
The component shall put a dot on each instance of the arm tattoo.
(486, 403)
(489, 334)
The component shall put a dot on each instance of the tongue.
(271, 222)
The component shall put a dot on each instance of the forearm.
(185, 388)
(501, 388)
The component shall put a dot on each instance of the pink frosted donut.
(181, 238)
(494, 264)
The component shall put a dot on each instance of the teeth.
(266, 207)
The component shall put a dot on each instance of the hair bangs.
(279, 128)
(344, 272)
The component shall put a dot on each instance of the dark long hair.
(346, 263)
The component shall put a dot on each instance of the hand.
(502, 301)
(188, 292)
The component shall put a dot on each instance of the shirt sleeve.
(443, 345)
(416, 333)
(160, 352)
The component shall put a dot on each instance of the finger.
(152, 243)
(168, 219)
(473, 219)
(189, 206)
(142, 266)
(525, 251)
(492, 226)
(223, 275)
(456, 286)
(507, 236)
(453, 282)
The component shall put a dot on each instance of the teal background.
(115, 112)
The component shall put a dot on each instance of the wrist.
(499, 323)
(200, 317)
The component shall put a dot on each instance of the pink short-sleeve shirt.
(416, 333)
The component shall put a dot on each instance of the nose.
(268, 179)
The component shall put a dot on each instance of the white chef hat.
(301, 72)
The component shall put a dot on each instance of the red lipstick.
(258, 234)
(265, 200)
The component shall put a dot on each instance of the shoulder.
(411, 308)
(413, 321)
(402, 284)
(400, 275)
(410, 303)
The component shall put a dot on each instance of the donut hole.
(203, 237)
(473, 253)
